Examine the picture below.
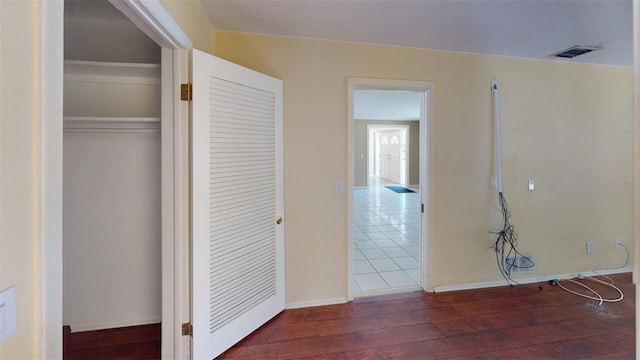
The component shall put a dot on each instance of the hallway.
(386, 239)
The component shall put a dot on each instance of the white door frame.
(427, 114)
(153, 19)
(52, 77)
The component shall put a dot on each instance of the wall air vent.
(574, 51)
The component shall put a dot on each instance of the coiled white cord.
(597, 296)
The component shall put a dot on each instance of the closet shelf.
(98, 124)
(111, 72)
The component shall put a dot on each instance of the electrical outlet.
(589, 247)
(618, 243)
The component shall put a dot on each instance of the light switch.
(8, 313)
(339, 187)
(532, 185)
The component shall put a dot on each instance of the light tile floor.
(386, 239)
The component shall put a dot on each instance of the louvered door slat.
(234, 263)
(237, 170)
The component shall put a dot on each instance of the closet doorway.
(112, 237)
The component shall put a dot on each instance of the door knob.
(278, 220)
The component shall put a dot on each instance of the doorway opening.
(112, 212)
(153, 19)
(389, 201)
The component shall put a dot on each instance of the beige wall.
(568, 126)
(20, 198)
(360, 147)
(192, 20)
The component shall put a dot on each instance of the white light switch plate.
(8, 313)
(532, 185)
(339, 187)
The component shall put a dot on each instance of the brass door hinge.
(187, 329)
(186, 92)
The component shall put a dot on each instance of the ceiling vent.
(574, 51)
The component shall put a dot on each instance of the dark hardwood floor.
(135, 342)
(496, 323)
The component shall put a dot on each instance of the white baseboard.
(388, 291)
(112, 325)
(311, 303)
(489, 284)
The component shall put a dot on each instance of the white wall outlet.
(8, 313)
(589, 247)
(532, 185)
(618, 243)
(494, 182)
(339, 187)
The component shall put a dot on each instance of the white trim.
(176, 206)
(154, 20)
(490, 284)
(112, 325)
(426, 169)
(168, 207)
(182, 193)
(427, 182)
(312, 303)
(349, 187)
(51, 60)
(636, 156)
(398, 290)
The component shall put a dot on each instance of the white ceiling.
(386, 105)
(521, 28)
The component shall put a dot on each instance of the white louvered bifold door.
(238, 243)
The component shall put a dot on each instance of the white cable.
(591, 278)
(496, 115)
(611, 285)
(599, 298)
(614, 268)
